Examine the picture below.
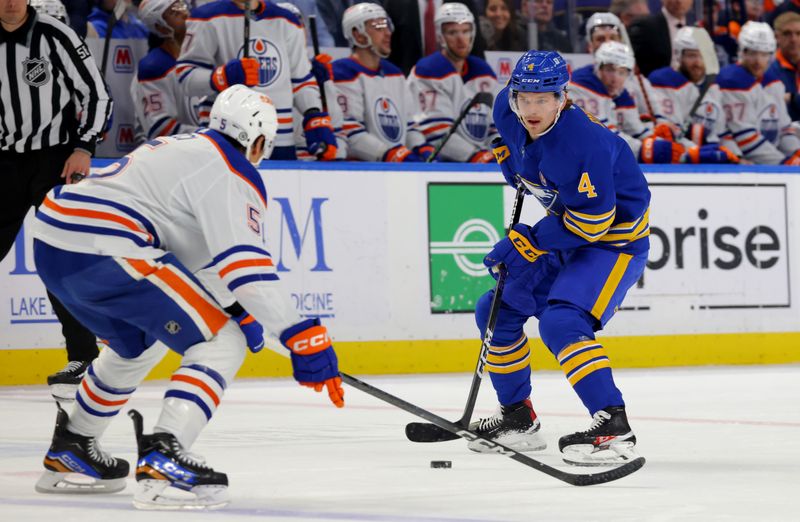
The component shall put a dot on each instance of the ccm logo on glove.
(310, 341)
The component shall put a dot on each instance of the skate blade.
(517, 442)
(63, 392)
(77, 483)
(159, 495)
(588, 455)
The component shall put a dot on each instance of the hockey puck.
(441, 464)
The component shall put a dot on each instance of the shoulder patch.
(667, 77)
(735, 77)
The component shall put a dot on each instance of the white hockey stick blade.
(159, 495)
(77, 483)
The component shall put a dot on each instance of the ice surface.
(721, 444)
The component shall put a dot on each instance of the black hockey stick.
(113, 18)
(482, 98)
(458, 430)
(424, 432)
(710, 80)
(312, 26)
(248, 11)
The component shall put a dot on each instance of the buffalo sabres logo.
(476, 122)
(547, 196)
(36, 71)
(388, 117)
(269, 58)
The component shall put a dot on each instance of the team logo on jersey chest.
(36, 71)
(269, 58)
(476, 122)
(768, 123)
(388, 118)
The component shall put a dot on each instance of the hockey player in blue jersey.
(571, 269)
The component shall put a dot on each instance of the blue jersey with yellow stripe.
(601, 193)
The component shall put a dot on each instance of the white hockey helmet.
(356, 16)
(151, 12)
(614, 53)
(454, 13)
(292, 9)
(757, 36)
(694, 39)
(52, 8)
(605, 19)
(244, 115)
(600, 19)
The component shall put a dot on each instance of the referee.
(53, 106)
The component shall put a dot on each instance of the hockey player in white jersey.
(377, 106)
(680, 86)
(213, 58)
(753, 101)
(161, 109)
(599, 90)
(120, 249)
(445, 82)
(323, 73)
(604, 27)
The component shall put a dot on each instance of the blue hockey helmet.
(540, 71)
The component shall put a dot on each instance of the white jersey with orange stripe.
(756, 115)
(161, 109)
(215, 35)
(677, 97)
(147, 204)
(622, 117)
(377, 107)
(442, 93)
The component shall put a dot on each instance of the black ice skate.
(76, 464)
(609, 440)
(64, 383)
(168, 477)
(515, 426)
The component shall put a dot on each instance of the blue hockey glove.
(252, 330)
(242, 71)
(322, 68)
(314, 362)
(516, 252)
(713, 153)
(501, 155)
(657, 150)
(319, 135)
(424, 151)
(401, 154)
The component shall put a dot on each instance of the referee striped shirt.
(52, 92)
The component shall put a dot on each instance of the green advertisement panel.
(465, 220)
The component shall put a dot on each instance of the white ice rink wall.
(390, 257)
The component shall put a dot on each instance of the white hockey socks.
(107, 386)
(196, 388)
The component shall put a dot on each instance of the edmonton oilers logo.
(269, 58)
(768, 123)
(388, 118)
(476, 122)
(707, 115)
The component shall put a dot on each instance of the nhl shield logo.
(36, 71)
(388, 119)
(172, 327)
